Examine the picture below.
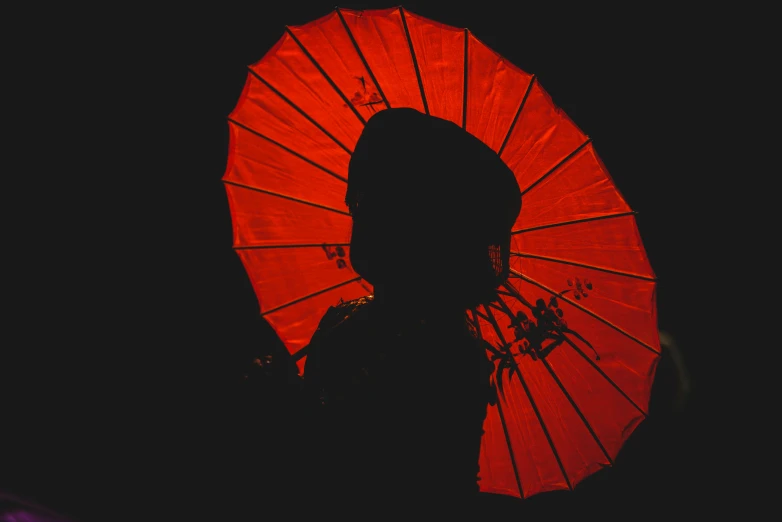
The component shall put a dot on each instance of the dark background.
(121, 394)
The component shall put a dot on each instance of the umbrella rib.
(361, 55)
(298, 245)
(464, 93)
(582, 265)
(578, 410)
(283, 196)
(605, 376)
(543, 425)
(300, 111)
(288, 150)
(555, 167)
(326, 76)
(476, 322)
(510, 448)
(593, 314)
(572, 222)
(502, 415)
(587, 358)
(415, 60)
(518, 113)
(498, 330)
(309, 296)
(299, 354)
(481, 315)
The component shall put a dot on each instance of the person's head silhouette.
(432, 209)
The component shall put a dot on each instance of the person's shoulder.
(334, 323)
(343, 311)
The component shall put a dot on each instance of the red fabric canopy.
(563, 411)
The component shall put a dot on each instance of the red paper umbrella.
(574, 334)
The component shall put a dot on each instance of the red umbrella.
(574, 334)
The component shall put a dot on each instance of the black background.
(122, 381)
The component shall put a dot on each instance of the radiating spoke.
(578, 410)
(310, 296)
(582, 265)
(415, 60)
(588, 359)
(504, 424)
(585, 310)
(518, 113)
(363, 59)
(287, 149)
(555, 167)
(572, 222)
(283, 196)
(326, 76)
(517, 369)
(300, 111)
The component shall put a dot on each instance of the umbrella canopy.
(574, 332)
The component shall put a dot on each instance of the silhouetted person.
(399, 380)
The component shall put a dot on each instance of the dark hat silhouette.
(423, 184)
